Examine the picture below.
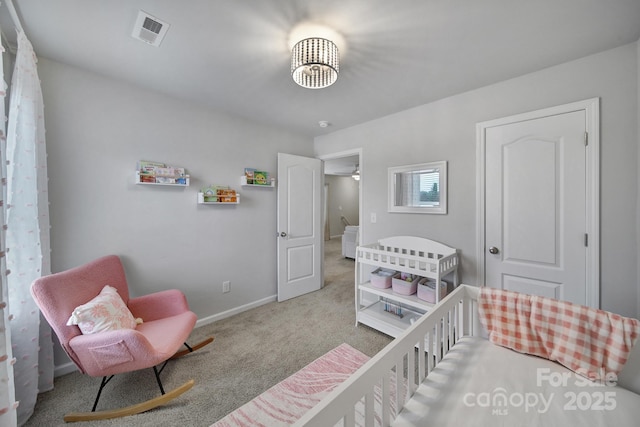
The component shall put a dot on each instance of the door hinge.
(586, 239)
(586, 139)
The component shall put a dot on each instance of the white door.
(300, 243)
(537, 192)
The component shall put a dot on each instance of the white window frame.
(393, 172)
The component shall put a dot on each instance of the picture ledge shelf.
(202, 202)
(138, 181)
(243, 182)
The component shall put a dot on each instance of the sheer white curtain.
(27, 234)
(7, 395)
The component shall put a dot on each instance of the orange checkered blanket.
(590, 342)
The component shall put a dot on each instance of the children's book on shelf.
(261, 178)
(161, 173)
(219, 194)
(249, 173)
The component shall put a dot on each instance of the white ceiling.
(233, 55)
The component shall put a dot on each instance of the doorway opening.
(342, 206)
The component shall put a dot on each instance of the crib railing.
(378, 391)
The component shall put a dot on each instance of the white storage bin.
(404, 284)
(427, 290)
(381, 278)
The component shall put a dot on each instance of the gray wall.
(343, 200)
(445, 130)
(98, 128)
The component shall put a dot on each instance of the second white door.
(536, 232)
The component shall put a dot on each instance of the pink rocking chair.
(166, 324)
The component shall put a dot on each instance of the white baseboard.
(69, 367)
(210, 319)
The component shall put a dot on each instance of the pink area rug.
(287, 401)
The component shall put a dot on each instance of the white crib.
(439, 389)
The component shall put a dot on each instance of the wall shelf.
(243, 182)
(202, 202)
(138, 181)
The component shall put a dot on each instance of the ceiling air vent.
(149, 29)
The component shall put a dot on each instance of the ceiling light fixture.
(315, 63)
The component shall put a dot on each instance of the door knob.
(493, 250)
(283, 234)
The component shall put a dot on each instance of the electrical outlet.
(226, 286)
(374, 217)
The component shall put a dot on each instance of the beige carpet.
(252, 351)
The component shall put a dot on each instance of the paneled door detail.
(536, 217)
(300, 242)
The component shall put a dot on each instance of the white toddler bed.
(472, 381)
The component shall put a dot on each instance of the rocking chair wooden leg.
(144, 406)
(130, 410)
(105, 381)
(191, 349)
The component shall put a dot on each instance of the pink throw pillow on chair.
(105, 312)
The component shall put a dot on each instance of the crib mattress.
(482, 384)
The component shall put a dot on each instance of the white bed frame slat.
(413, 386)
(434, 327)
(438, 340)
(369, 414)
(350, 419)
(386, 399)
(399, 389)
(421, 362)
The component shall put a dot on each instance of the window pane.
(418, 188)
(429, 191)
